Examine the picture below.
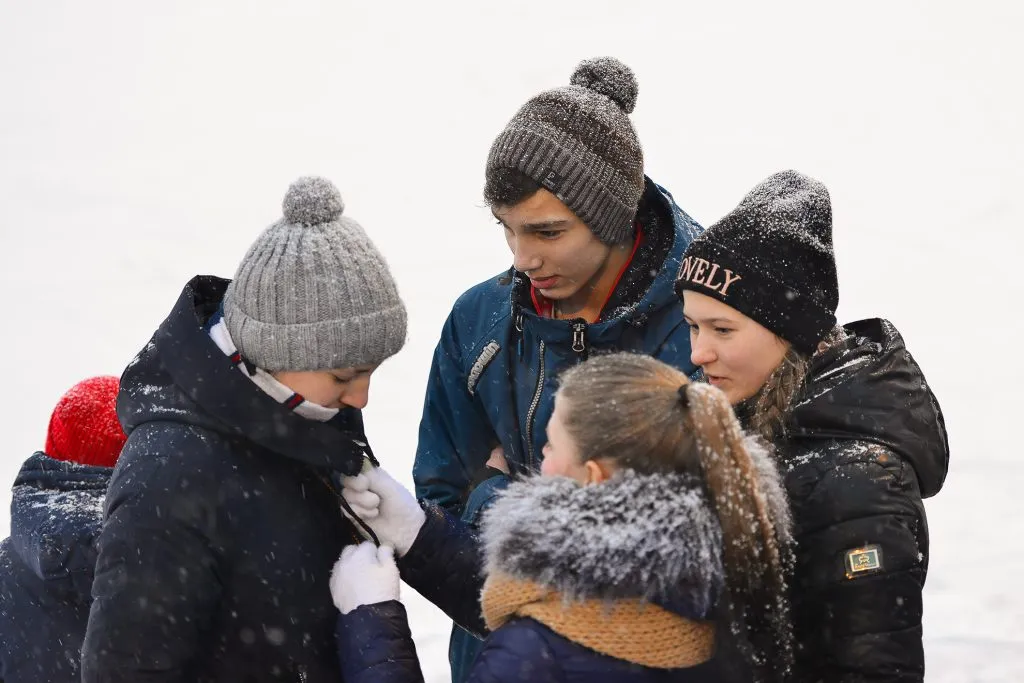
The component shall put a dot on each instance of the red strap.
(541, 304)
(625, 266)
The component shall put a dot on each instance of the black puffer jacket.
(221, 524)
(46, 569)
(865, 443)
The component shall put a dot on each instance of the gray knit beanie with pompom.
(578, 143)
(313, 292)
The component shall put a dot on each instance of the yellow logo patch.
(866, 560)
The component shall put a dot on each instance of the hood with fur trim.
(653, 537)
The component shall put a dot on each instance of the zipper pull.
(579, 338)
(519, 334)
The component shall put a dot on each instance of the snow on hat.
(771, 259)
(578, 143)
(83, 427)
(313, 292)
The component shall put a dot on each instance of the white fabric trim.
(265, 381)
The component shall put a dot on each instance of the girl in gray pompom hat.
(222, 518)
(313, 301)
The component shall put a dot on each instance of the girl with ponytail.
(655, 531)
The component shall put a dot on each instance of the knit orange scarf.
(630, 630)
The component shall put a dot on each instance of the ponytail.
(755, 528)
(638, 413)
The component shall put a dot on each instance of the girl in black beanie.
(858, 435)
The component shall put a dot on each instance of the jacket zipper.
(531, 454)
(579, 338)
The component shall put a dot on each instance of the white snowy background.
(143, 143)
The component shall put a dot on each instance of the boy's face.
(551, 245)
(340, 388)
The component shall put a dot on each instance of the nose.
(547, 465)
(524, 257)
(702, 351)
(357, 393)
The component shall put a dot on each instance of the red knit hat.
(84, 426)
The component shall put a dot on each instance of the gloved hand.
(386, 507)
(364, 575)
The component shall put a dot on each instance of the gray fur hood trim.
(654, 537)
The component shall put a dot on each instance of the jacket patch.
(863, 561)
(489, 353)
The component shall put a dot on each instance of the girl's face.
(562, 457)
(344, 387)
(736, 353)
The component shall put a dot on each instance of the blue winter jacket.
(375, 647)
(46, 569)
(496, 366)
(495, 369)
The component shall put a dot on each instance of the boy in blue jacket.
(596, 246)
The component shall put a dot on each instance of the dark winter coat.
(496, 366)
(584, 543)
(221, 525)
(46, 569)
(865, 444)
(521, 651)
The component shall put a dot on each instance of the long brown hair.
(767, 411)
(639, 413)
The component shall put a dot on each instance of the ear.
(597, 471)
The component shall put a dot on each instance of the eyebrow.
(710, 321)
(352, 372)
(545, 225)
(537, 226)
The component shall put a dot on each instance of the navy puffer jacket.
(46, 569)
(221, 523)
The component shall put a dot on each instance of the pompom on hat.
(313, 292)
(83, 427)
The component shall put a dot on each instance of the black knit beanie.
(578, 143)
(771, 259)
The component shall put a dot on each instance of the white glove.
(386, 507)
(364, 575)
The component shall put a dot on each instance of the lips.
(714, 380)
(544, 283)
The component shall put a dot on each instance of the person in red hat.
(46, 565)
(84, 426)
